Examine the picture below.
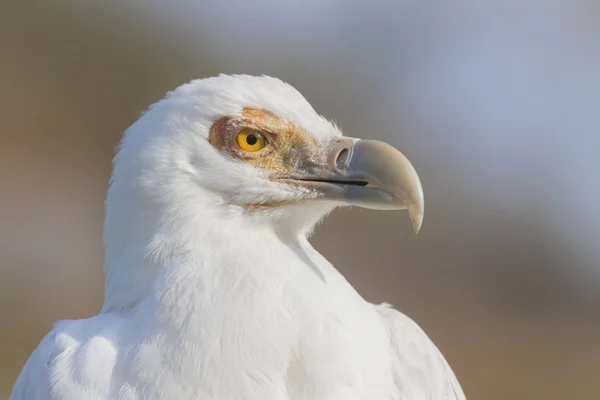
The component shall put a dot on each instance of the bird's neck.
(257, 270)
(147, 255)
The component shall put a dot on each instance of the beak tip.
(416, 226)
(416, 216)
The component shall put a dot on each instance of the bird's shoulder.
(60, 367)
(418, 365)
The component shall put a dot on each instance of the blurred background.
(496, 103)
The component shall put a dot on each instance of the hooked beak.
(366, 173)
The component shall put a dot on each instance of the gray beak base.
(369, 174)
(389, 173)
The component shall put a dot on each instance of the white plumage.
(213, 290)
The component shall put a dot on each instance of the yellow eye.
(250, 140)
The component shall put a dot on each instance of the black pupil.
(251, 140)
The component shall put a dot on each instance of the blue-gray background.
(497, 104)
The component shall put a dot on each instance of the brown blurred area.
(494, 292)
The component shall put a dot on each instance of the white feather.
(205, 300)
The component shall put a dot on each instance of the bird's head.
(243, 151)
(252, 149)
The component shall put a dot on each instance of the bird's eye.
(250, 140)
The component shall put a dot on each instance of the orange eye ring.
(250, 140)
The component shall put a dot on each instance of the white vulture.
(213, 291)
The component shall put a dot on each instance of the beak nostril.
(342, 159)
